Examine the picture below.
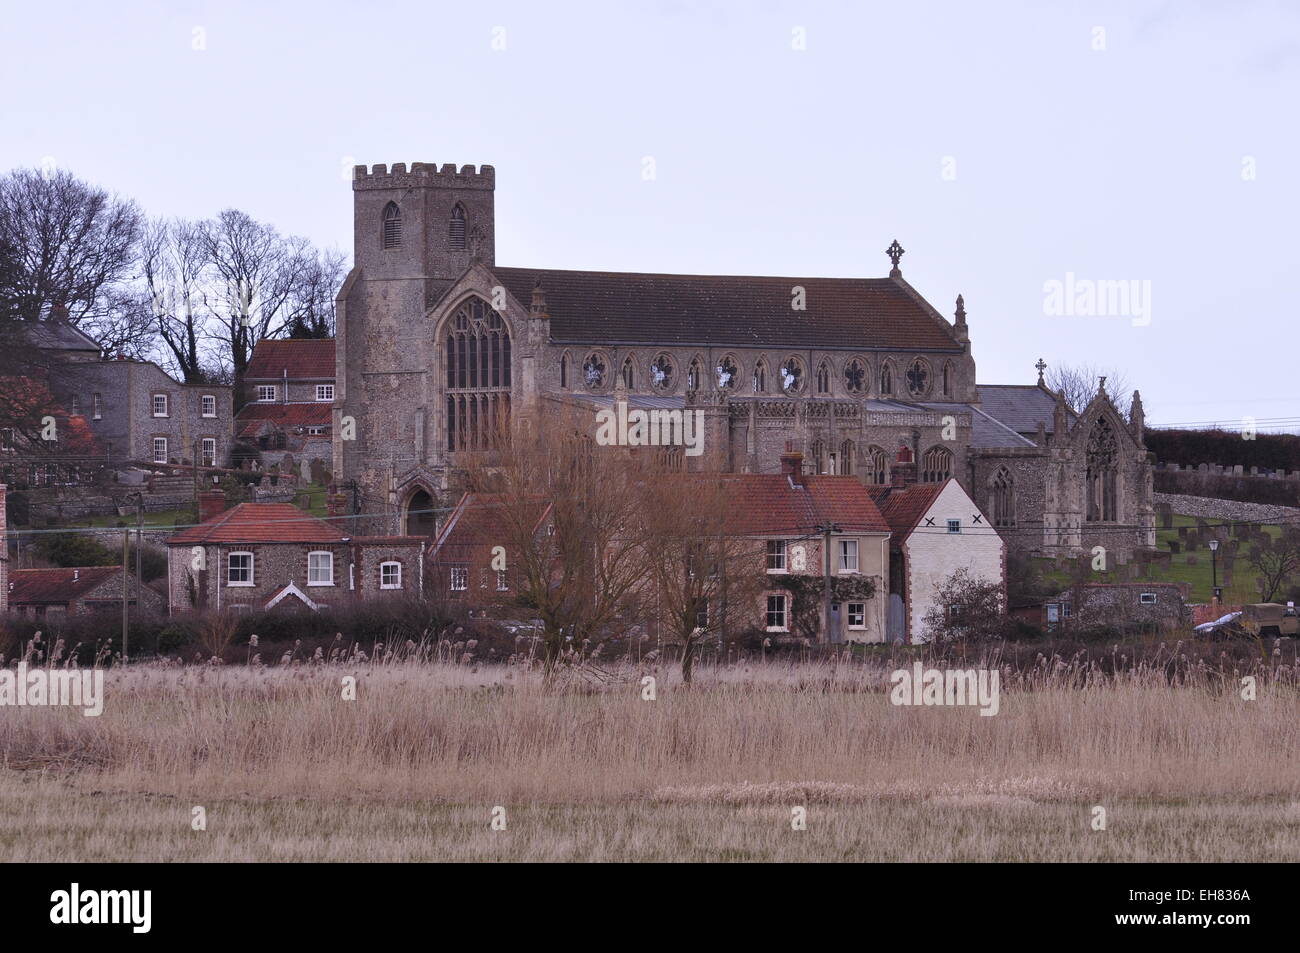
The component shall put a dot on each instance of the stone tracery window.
(855, 377)
(478, 377)
(629, 373)
(936, 465)
(877, 465)
(823, 378)
(947, 378)
(593, 371)
(661, 373)
(693, 376)
(1002, 500)
(844, 463)
(886, 379)
(792, 376)
(918, 378)
(727, 373)
(760, 377)
(1100, 484)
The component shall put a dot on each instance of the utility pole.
(194, 459)
(126, 542)
(827, 529)
(139, 541)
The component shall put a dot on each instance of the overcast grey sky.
(1005, 145)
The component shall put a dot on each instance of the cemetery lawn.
(1195, 572)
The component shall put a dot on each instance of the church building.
(439, 347)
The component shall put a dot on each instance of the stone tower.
(425, 223)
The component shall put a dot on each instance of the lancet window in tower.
(392, 226)
(456, 229)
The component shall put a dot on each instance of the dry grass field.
(286, 769)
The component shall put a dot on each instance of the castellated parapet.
(423, 175)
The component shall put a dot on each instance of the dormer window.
(392, 226)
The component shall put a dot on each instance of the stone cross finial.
(895, 252)
(1040, 367)
(961, 310)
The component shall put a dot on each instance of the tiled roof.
(60, 335)
(767, 504)
(903, 507)
(477, 520)
(251, 417)
(716, 310)
(260, 523)
(56, 586)
(301, 358)
(1020, 406)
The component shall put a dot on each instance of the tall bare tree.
(75, 246)
(173, 269)
(699, 572)
(317, 276)
(253, 269)
(584, 573)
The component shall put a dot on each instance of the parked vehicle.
(1273, 619)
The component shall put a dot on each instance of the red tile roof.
(478, 519)
(260, 523)
(903, 507)
(717, 310)
(767, 504)
(56, 586)
(250, 419)
(301, 358)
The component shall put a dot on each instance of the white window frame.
(784, 612)
(324, 392)
(230, 569)
(459, 574)
(329, 565)
(156, 442)
(166, 405)
(954, 526)
(860, 612)
(848, 546)
(203, 452)
(397, 580)
(778, 556)
(1147, 599)
(97, 407)
(503, 581)
(265, 393)
(315, 431)
(206, 401)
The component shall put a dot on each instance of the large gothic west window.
(478, 377)
(1002, 498)
(1102, 458)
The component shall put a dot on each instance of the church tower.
(426, 223)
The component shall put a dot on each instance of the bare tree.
(1276, 561)
(75, 245)
(697, 567)
(1079, 383)
(968, 608)
(583, 572)
(317, 276)
(253, 270)
(173, 267)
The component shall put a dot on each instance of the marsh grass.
(589, 770)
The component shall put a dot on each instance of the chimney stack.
(792, 466)
(903, 472)
(211, 503)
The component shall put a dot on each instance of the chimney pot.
(792, 466)
(903, 472)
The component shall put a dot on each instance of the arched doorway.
(420, 517)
